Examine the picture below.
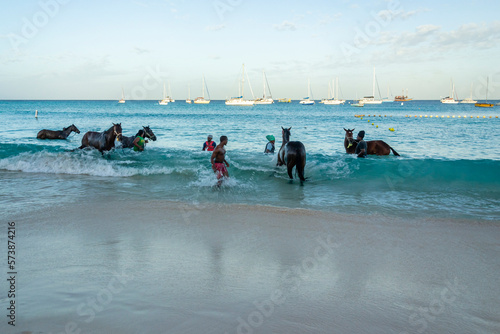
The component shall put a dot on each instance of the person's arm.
(361, 153)
(227, 164)
(136, 140)
(204, 146)
(214, 154)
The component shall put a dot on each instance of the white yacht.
(469, 99)
(265, 99)
(240, 101)
(201, 99)
(332, 98)
(122, 100)
(307, 101)
(371, 99)
(450, 99)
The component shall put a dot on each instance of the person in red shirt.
(209, 145)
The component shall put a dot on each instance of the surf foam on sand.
(150, 267)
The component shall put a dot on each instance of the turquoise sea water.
(449, 166)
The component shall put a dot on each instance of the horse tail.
(394, 151)
(301, 163)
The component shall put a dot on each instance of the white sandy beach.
(165, 267)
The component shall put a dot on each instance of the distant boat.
(334, 98)
(469, 99)
(240, 101)
(450, 99)
(371, 99)
(166, 99)
(387, 99)
(485, 104)
(265, 99)
(202, 99)
(307, 101)
(359, 104)
(285, 100)
(188, 100)
(403, 97)
(122, 100)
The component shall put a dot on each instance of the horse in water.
(103, 141)
(145, 132)
(374, 147)
(54, 134)
(292, 153)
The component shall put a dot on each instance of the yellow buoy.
(431, 116)
(459, 116)
(377, 126)
(453, 116)
(373, 124)
(484, 116)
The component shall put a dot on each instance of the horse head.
(74, 128)
(286, 134)
(149, 133)
(117, 131)
(348, 133)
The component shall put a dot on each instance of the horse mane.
(139, 133)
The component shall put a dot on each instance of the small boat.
(307, 101)
(166, 99)
(359, 104)
(469, 99)
(188, 100)
(201, 99)
(450, 99)
(485, 104)
(240, 101)
(403, 97)
(122, 100)
(265, 99)
(371, 99)
(334, 100)
(285, 100)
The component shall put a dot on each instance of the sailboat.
(240, 101)
(188, 100)
(265, 99)
(307, 100)
(469, 99)
(403, 97)
(165, 99)
(122, 100)
(450, 99)
(486, 104)
(371, 99)
(387, 99)
(202, 100)
(334, 100)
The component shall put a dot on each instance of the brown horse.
(54, 134)
(103, 141)
(374, 147)
(292, 153)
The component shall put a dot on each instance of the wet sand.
(165, 267)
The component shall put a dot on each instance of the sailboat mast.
(373, 90)
(487, 83)
(242, 80)
(337, 88)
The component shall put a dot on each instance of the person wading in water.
(218, 160)
(209, 145)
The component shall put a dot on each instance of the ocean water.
(448, 168)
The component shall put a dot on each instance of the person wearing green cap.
(270, 144)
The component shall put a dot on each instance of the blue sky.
(72, 49)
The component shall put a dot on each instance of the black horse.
(103, 141)
(145, 132)
(292, 153)
(54, 134)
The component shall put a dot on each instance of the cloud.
(215, 27)
(140, 51)
(285, 26)
(326, 19)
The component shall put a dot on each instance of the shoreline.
(163, 266)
